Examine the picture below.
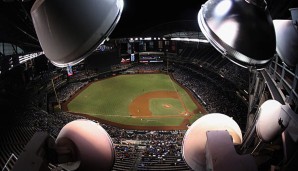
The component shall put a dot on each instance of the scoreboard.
(148, 57)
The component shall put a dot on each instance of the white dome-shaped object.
(240, 30)
(93, 146)
(194, 141)
(69, 31)
(286, 41)
(272, 120)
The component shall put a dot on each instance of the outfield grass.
(109, 99)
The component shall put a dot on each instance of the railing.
(286, 79)
(10, 162)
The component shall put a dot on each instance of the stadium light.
(69, 31)
(287, 38)
(242, 30)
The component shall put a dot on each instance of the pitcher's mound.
(166, 105)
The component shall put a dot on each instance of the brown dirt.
(139, 107)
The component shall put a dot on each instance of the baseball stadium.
(137, 101)
(97, 85)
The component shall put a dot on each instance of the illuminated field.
(137, 100)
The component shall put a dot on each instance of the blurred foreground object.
(69, 31)
(209, 139)
(287, 38)
(81, 145)
(242, 31)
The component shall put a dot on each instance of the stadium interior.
(237, 59)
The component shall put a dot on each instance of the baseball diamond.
(137, 101)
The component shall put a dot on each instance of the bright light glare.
(222, 8)
(228, 32)
(189, 40)
(120, 4)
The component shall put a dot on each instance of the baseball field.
(137, 101)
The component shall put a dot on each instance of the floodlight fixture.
(241, 30)
(69, 31)
(287, 38)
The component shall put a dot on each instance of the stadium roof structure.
(149, 18)
(176, 29)
(179, 28)
(16, 24)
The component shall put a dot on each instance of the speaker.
(69, 31)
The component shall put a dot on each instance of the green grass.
(109, 99)
(195, 117)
